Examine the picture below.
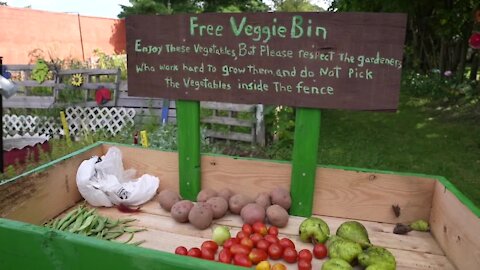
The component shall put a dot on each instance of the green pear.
(336, 264)
(377, 258)
(354, 231)
(420, 225)
(343, 249)
(314, 229)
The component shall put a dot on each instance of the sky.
(98, 8)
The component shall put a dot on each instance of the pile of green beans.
(86, 221)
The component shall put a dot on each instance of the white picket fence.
(111, 120)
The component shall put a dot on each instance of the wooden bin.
(340, 194)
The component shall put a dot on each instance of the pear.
(343, 249)
(314, 229)
(354, 231)
(336, 264)
(420, 225)
(377, 258)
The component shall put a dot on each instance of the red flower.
(474, 41)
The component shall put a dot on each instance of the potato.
(206, 194)
(168, 198)
(226, 193)
(201, 215)
(281, 197)
(180, 210)
(252, 213)
(263, 199)
(219, 206)
(277, 216)
(237, 202)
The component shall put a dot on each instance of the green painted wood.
(27, 246)
(188, 121)
(304, 161)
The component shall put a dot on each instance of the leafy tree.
(3, 4)
(295, 6)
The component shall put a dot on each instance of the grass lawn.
(414, 139)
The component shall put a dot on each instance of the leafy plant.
(40, 71)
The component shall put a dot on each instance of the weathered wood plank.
(227, 106)
(227, 121)
(230, 135)
(19, 67)
(31, 83)
(370, 196)
(456, 229)
(88, 71)
(90, 86)
(40, 102)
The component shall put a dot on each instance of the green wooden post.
(304, 160)
(188, 121)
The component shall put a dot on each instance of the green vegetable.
(314, 229)
(377, 258)
(354, 231)
(343, 249)
(420, 225)
(336, 264)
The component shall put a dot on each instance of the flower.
(77, 80)
(474, 41)
(447, 73)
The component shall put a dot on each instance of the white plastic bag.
(104, 182)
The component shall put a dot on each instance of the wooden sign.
(318, 60)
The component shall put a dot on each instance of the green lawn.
(414, 139)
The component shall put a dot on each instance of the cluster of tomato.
(255, 244)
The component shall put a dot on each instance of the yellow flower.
(77, 80)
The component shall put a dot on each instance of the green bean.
(111, 235)
(72, 218)
(85, 224)
(101, 224)
(129, 238)
(138, 242)
(131, 230)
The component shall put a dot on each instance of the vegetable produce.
(257, 255)
(314, 229)
(273, 230)
(304, 265)
(180, 210)
(181, 250)
(420, 225)
(225, 256)
(275, 251)
(86, 221)
(277, 216)
(220, 235)
(320, 251)
(168, 198)
(246, 241)
(256, 237)
(377, 258)
(290, 255)
(336, 264)
(263, 244)
(225, 193)
(263, 199)
(281, 197)
(354, 231)
(259, 227)
(194, 252)
(242, 260)
(285, 243)
(263, 265)
(305, 254)
(252, 213)
(279, 266)
(247, 229)
(212, 245)
(201, 215)
(219, 206)
(237, 202)
(207, 254)
(343, 249)
(272, 239)
(206, 194)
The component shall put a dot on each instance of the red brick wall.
(56, 34)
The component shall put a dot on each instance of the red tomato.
(304, 265)
(273, 230)
(241, 235)
(242, 260)
(260, 228)
(257, 255)
(247, 229)
(275, 251)
(247, 242)
(195, 252)
(210, 245)
(305, 254)
(263, 244)
(272, 239)
(230, 242)
(256, 237)
(207, 254)
(239, 249)
(320, 251)
(285, 242)
(181, 250)
(225, 256)
(290, 255)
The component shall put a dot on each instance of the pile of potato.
(266, 207)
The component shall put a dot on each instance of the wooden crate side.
(456, 228)
(370, 196)
(45, 192)
(33, 247)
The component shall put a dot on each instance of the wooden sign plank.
(318, 60)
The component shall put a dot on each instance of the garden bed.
(340, 194)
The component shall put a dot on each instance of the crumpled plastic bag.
(104, 182)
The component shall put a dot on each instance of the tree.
(3, 4)
(295, 6)
(191, 6)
